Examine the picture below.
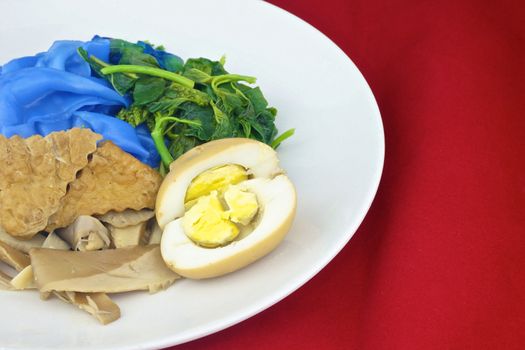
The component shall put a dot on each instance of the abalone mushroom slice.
(22, 245)
(106, 271)
(13, 257)
(126, 218)
(5, 281)
(97, 304)
(24, 279)
(129, 236)
(155, 232)
(85, 234)
(53, 241)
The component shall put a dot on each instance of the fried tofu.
(47, 182)
(34, 176)
(112, 180)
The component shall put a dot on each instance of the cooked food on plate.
(85, 233)
(125, 168)
(36, 174)
(223, 205)
(112, 180)
(104, 271)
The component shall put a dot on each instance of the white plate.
(335, 159)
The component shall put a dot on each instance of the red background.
(439, 262)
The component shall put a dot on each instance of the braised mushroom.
(129, 236)
(129, 227)
(24, 279)
(20, 262)
(5, 281)
(107, 271)
(85, 234)
(54, 242)
(97, 304)
(22, 245)
(127, 217)
(155, 232)
(13, 257)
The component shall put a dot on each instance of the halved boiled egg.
(223, 205)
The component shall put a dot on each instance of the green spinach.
(188, 104)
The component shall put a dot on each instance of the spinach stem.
(99, 61)
(156, 72)
(288, 133)
(158, 139)
(226, 78)
(162, 169)
(105, 64)
(158, 136)
(163, 120)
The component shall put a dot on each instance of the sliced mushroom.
(128, 236)
(107, 271)
(23, 246)
(5, 281)
(128, 217)
(13, 257)
(97, 304)
(85, 234)
(44, 295)
(95, 241)
(24, 279)
(54, 242)
(155, 232)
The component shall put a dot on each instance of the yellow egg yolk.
(242, 205)
(215, 179)
(207, 224)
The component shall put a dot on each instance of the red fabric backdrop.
(439, 262)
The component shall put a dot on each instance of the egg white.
(260, 160)
(277, 201)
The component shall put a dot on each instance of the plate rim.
(297, 281)
(322, 263)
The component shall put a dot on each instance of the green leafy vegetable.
(148, 70)
(147, 90)
(205, 65)
(122, 82)
(182, 144)
(136, 115)
(137, 58)
(159, 130)
(95, 63)
(288, 133)
(186, 104)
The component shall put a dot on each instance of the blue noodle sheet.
(55, 90)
